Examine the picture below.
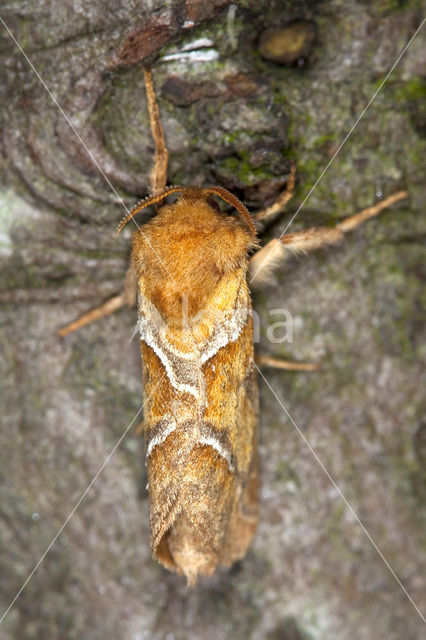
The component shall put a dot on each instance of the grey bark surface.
(234, 118)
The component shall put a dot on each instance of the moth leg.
(287, 365)
(266, 215)
(279, 249)
(158, 179)
(158, 176)
(128, 297)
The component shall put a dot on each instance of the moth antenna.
(226, 195)
(146, 202)
(229, 197)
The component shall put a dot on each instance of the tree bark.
(236, 115)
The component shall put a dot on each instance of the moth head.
(193, 192)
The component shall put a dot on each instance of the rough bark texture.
(235, 120)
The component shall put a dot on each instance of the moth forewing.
(194, 316)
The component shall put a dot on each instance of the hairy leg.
(158, 175)
(127, 297)
(279, 249)
(287, 365)
(158, 179)
(267, 215)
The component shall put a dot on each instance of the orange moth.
(189, 266)
(200, 416)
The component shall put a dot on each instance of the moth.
(189, 268)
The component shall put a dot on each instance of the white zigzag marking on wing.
(159, 438)
(215, 444)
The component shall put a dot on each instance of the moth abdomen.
(190, 516)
